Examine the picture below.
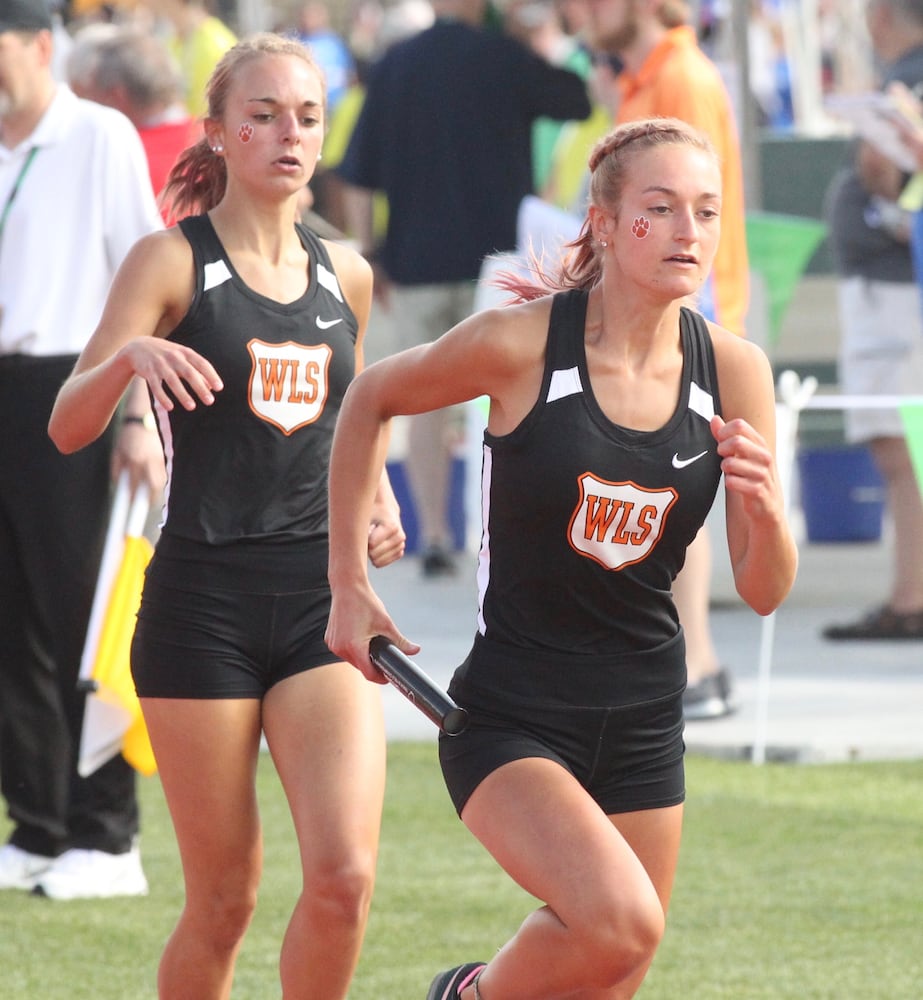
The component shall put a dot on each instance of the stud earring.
(603, 244)
(218, 148)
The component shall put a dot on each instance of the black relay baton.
(417, 687)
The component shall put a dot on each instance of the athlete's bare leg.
(606, 882)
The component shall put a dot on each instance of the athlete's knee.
(223, 915)
(623, 938)
(341, 890)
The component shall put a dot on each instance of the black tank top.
(587, 522)
(253, 466)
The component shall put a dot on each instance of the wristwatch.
(146, 420)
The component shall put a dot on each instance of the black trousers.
(53, 515)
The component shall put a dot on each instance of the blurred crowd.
(443, 119)
(348, 36)
(150, 58)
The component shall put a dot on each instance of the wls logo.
(618, 524)
(288, 383)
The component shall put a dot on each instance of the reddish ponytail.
(198, 180)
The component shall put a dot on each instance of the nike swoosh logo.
(325, 324)
(681, 463)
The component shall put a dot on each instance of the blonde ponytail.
(581, 264)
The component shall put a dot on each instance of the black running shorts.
(228, 631)
(626, 749)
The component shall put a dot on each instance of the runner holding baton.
(417, 686)
(607, 440)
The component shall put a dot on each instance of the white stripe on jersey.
(483, 572)
(216, 273)
(327, 279)
(564, 382)
(701, 402)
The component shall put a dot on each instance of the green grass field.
(795, 882)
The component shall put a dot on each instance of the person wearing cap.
(74, 196)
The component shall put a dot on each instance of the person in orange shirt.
(676, 79)
(666, 74)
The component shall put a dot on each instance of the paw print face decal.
(245, 132)
(641, 227)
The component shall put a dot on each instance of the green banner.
(780, 248)
(912, 415)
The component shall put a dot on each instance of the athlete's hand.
(357, 615)
(749, 468)
(387, 542)
(387, 539)
(173, 372)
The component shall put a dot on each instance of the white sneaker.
(83, 874)
(19, 869)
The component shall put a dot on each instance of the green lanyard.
(17, 184)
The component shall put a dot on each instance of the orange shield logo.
(288, 383)
(618, 524)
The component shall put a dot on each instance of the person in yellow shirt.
(567, 184)
(200, 40)
(666, 74)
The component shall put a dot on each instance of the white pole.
(794, 395)
(802, 43)
(108, 567)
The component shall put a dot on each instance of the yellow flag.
(111, 671)
(112, 719)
